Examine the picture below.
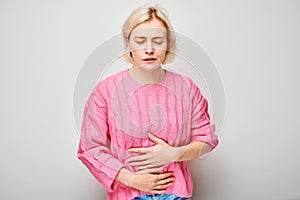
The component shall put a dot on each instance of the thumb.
(154, 139)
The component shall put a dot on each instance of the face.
(148, 44)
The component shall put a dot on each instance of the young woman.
(141, 125)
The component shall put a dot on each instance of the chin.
(150, 67)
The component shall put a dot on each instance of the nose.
(149, 50)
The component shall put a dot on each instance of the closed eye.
(140, 41)
(158, 41)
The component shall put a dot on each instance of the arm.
(152, 183)
(203, 141)
(95, 152)
(203, 134)
(162, 153)
(95, 147)
(193, 150)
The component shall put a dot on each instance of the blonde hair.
(147, 13)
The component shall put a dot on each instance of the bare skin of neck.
(147, 76)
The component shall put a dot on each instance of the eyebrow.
(143, 37)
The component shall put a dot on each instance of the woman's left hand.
(154, 157)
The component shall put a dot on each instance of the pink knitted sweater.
(120, 112)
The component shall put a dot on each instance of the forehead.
(149, 32)
(151, 28)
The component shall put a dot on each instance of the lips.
(149, 59)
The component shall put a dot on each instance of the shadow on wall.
(208, 175)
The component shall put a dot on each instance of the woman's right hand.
(147, 182)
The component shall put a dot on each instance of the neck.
(147, 76)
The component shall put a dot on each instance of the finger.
(149, 165)
(162, 187)
(166, 181)
(158, 191)
(140, 150)
(142, 164)
(137, 158)
(155, 139)
(150, 170)
(164, 176)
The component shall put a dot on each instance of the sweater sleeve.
(94, 146)
(202, 129)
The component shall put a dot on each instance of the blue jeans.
(159, 197)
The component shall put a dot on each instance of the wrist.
(179, 151)
(124, 176)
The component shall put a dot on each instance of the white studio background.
(254, 44)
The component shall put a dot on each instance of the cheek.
(136, 54)
(135, 48)
(161, 54)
